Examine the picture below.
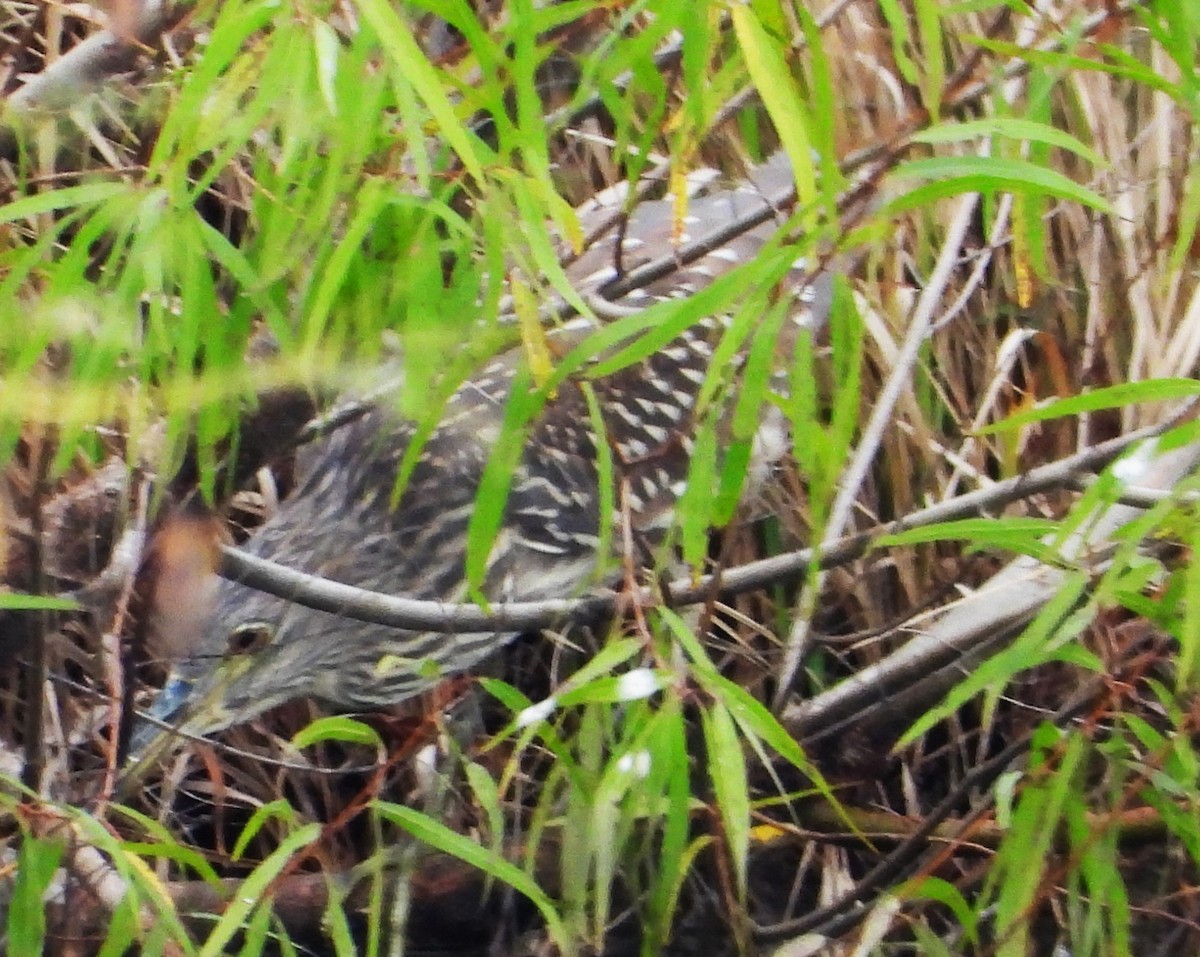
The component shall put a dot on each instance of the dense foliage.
(960, 722)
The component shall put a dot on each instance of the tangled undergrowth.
(932, 692)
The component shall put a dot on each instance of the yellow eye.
(251, 637)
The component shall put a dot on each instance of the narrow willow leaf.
(1011, 127)
(326, 49)
(606, 481)
(902, 40)
(758, 724)
(373, 197)
(671, 777)
(769, 70)
(956, 175)
(535, 206)
(37, 862)
(1035, 827)
(1110, 397)
(1188, 214)
(337, 728)
(661, 323)
(533, 333)
(438, 835)
(1006, 532)
(824, 108)
(731, 789)
(697, 53)
(488, 795)
(273, 810)
(14, 601)
(143, 882)
(488, 515)
(942, 891)
(163, 844)
(1116, 62)
(1188, 632)
(256, 932)
(252, 891)
(124, 930)
(933, 61)
(605, 842)
(68, 197)
(695, 506)
(615, 689)
(735, 465)
(239, 266)
(614, 654)
(415, 70)
(530, 141)
(998, 670)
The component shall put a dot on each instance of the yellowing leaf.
(533, 333)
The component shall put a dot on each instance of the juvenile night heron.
(339, 523)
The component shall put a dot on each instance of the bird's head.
(243, 660)
(257, 651)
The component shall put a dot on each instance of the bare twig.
(881, 421)
(838, 917)
(36, 672)
(362, 605)
(1009, 600)
(86, 66)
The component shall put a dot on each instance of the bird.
(345, 522)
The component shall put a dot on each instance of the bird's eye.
(251, 637)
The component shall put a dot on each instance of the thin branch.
(882, 421)
(36, 671)
(415, 615)
(838, 917)
(87, 65)
(1002, 606)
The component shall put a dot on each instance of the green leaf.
(67, 197)
(780, 95)
(933, 57)
(1015, 534)
(14, 601)
(957, 175)
(146, 892)
(1188, 633)
(1030, 649)
(1116, 62)
(727, 772)
(37, 863)
(438, 835)
(277, 810)
(326, 48)
(694, 508)
(486, 520)
(252, 891)
(612, 689)
(1010, 127)
(256, 932)
(900, 34)
(373, 197)
(488, 796)
(412, 68)
(942, 891)
(1111, 397)
(606, 480)
(337, 728)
